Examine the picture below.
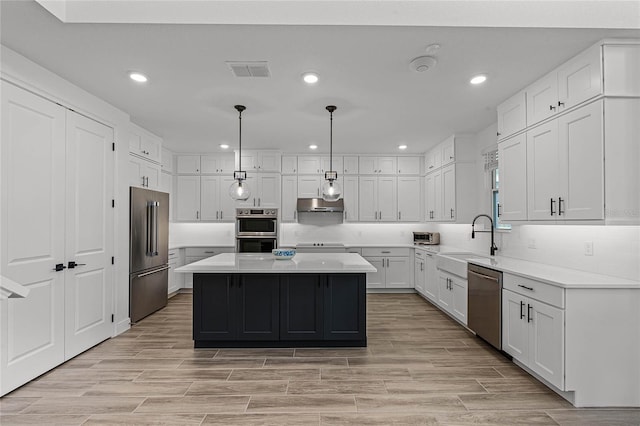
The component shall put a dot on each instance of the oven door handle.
(256, 235)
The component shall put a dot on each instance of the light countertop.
(323, 263)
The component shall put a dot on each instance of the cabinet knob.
(560, 104)
(498, 134)
(552, 108)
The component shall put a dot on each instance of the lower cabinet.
(419, 272)
(452, 295)
(246, 310)
(393, 266)
(431, 278)
(193, 254)
(176, 281)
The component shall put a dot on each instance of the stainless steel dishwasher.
(485, 303)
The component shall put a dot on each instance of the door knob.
(59, 267)
(73, 264)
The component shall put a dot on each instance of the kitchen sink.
(456, 263)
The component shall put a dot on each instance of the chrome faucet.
(494, 248)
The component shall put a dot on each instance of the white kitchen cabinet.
(167, 161)
(452, 295)
(432, 160)
(377, 165)
(265, 190)
(217, 164)
(433, 196)
(431, 277)
(533, 333)
(449, 193)
(308, 164)
(512, 155)
(289, 164)
(194, 254)
(378, 198)
(215, 202)
(448, 150)
(143, 173)
(350, 164)
(144, 144)
(512, 115)
(409, 199)
(187, 198)
(409, 165)
(394, 269)
(289, 212)
(565, 167)
(260, 161)
(350, 198)
(325, 164)
(166, 185)
(310, 186)
(419, 272)
(188, 164)
(574, 82)
(176, 280)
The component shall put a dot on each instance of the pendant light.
(239, 190)
(331, 190)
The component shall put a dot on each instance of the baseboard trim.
(122, 326)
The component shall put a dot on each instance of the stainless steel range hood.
(318, 205)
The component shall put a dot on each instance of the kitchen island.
(253, 300)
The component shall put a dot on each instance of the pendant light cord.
(331, 140)
(240, 140)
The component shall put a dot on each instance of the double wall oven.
(256, 230)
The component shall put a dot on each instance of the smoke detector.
(423, 63)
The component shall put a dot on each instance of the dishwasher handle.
(483, 276)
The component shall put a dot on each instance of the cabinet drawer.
(201, 251)
(419, 254)
(355, 250)
(387, 252)
(174, 254)
(534, 289)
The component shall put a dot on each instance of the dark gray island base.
(258, 310)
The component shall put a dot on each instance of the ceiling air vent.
(250, 69)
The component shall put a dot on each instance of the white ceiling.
(363, 70)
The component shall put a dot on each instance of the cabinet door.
(460, 298)
(252, 183)
(152, 173)
(258, 307)
(309, 186)
(268, 190)
(367, 165)
(226, 204)
(345, 307)
(445, 295)
(376, 279)
(167, 161)
(408, 165)
(166, 185)
(214, 307)
(209, 164)
(430, 196)
(226, 164)
(512, 116)
(188, 164)
(546, 342)
(449, 193)
(433, 159)
(448, 151)
(136, 172)
(325, 165)
(151, 147)
(209, 196)
(289, 198)
(301, 307)
(437, 196)
(367, 198)
(431, 277)
(350, 165)
(419, 275)
(188, 198)
(543, 165)
(387, 165)
(409, 199)
(289, 164)
(581, 156)
(249, 161)
(308, 164)
(515, 329)
(542, 99)
(580, 78)
(269, 161)
(398, 272)
(387, 199)
(512, 154)
(350, 197)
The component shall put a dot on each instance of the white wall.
(350, 233)
(201, 234)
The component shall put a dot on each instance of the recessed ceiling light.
(313, 146)
(224, 146)
(478, 79)
(310, 77)
(136, 76)
(402, 147)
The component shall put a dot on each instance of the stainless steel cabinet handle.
(399, 215)
(217, 215)
(560, 104)
(209, 252)
(521, 313)
(552, 108)
(385, 252)
(254, 202)
(499, 210)
(197, 215)
(551, 206)
(529, 317)
(421, 266)
(451, 213)
(560, 200)
(220, 214)
(525, 287)
(380, 216)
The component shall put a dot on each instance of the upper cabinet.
(289, 164)
(409, 165)
(188, 164)
(576, 81)
(350, 165)
(512, 115)
(167, 161)
(260, 161)
(377, 165)
(144, 144)
(217, 164)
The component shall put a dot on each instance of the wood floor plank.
(43, 419)
(335, 387)
(301, 404)
(204, 404)
(139, 389)
(513, 400)
(262, 419)
(596, 417)
(247, 387)
(84, 405)
(378, 419)
(496, 418)
(145, 419)
(409, 403)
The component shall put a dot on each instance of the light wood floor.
(420, 368)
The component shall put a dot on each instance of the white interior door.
(32, 235)
(89, 233)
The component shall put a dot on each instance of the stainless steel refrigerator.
(148, 252)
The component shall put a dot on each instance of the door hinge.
(112, 318)
(113, 203)
(113, 146)
(113, 260)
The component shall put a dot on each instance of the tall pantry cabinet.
(57, 234)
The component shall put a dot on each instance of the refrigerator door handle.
(152, 228)
(156, 233)
(164, 268)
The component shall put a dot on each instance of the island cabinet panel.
(301, 307)
(344, 302)
(258, 302)
(213, 307)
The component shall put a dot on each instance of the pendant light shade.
(239, 190)
(331, 190)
